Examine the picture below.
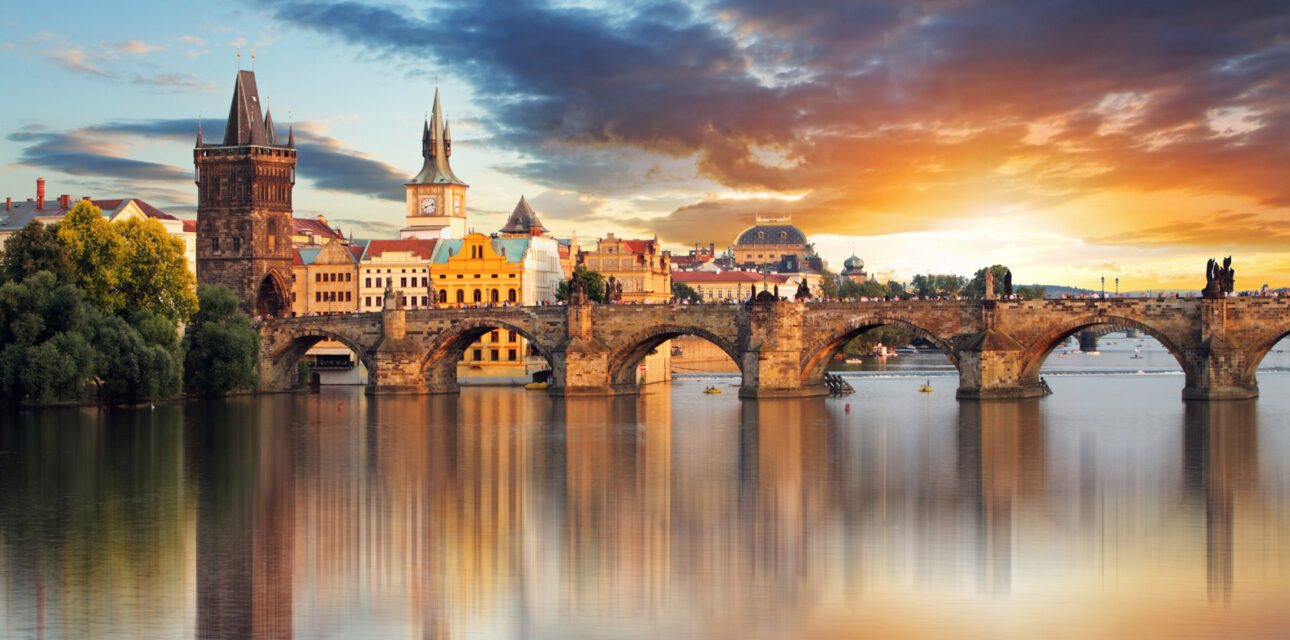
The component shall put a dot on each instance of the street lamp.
(1117, 287)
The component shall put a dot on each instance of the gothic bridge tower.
(244, 206)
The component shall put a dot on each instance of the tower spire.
(245, 123)
(434, 148)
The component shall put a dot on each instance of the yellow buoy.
(535, 385)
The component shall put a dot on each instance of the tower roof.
(523, 219)
(434, 149)
(270, 134)
(245, 125)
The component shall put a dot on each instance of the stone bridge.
(782, 348)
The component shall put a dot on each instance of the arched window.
(492, 295)
(443, 296)
(479, 295)
(461, 296)
(510, 295)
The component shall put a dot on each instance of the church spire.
(434, 148)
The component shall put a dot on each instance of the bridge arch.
(816, 357)
(1263, 347)
(439, 362)
(283, 357)
(624, 358)
(1038, 351)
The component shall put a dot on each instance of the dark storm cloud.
(926, 108)
(100, 151)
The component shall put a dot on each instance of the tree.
(976, 288)
(35, 248)
(930, 286)
(594, 282)
(829, 285)
(682, 291)
(154, 271)
(130, 368)
(897, 290)
(95, 250)
(220, 346)
(888, 335)
(1032, 292)
(46, 329)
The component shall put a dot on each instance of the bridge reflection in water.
(502, 513)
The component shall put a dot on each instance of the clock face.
(429, 204)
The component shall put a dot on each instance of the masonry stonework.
(783, 348)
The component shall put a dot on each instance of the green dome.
(853, 264)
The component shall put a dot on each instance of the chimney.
(40, 193)
(8, 204)
(64, 201)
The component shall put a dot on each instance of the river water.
(1109, 509)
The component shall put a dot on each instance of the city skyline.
(1069, 142)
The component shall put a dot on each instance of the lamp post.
(1117, 287)
(1103, 287)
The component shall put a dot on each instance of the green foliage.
(889, 335)
(867, 289)
(930, 286)
(682, 291)
(829, 285)
(897, 290)
(32, 249)
(220, 347)
(976, 288)
(46, 328)
(154, 272)
(95, 250)
(592, 279)
(133, 369)
(1031, 292)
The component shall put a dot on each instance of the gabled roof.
(422, 248)
(513, 249)
(705, 277)
(24, 212)
(315, 227)
(522, 219)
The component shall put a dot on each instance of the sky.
(1071, 140)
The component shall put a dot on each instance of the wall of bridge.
(781, 347)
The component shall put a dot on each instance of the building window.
(425, 301)
(494, 355)
(378, 282)
(403, 282)
(479, 295)
(214, 244)
(425, 282)
(477, 354)
(317, 296)
(511, 355)
(367, 301)
(317, 277)
(237, 245)
(349, 277)
(367, 282)
(510, 336)
(510, 296)
(461, 296)
(443, 296)
(492, 295)
(349, 296)
(495, 336)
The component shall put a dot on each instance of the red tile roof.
(703, 277)
(639, 246)
(190, 226)
(314, 227)
(419, 247)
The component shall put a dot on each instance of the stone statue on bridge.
(1219, 280)
(614, 290)
(1007, 283)
(803, 291)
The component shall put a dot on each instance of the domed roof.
(853, 263)
(771, 234)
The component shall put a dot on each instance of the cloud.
(75, 60)
(135, 47)
(886, 114)
(109, 151)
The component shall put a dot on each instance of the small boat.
(534, 386)
(853, 361)
(712, 390)
(926, 388)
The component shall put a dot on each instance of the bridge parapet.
(782, 348)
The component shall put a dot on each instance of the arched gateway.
(781, 347)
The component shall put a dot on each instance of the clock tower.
(436, 198)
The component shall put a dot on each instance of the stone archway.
(287, 351)
(623, 361)
(1037, 352)
(271, 297)
(815, 358)
(439, 362)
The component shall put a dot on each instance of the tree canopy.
(682, 291)
(594, 281)
(32, 249)
(220, 347)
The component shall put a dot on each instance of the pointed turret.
(199, 133)
(435, 169)
(523, 221)
(291, 136)
(245, 124)
(270, 133)
(447, 140)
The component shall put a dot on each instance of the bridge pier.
(397, 358)
(772, 360)
(1088, 341)
(992, 365)
(1219, 370)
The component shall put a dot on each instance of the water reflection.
(500, 513)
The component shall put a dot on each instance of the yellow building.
(734, 286)
(482, 271)
(644, 271)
